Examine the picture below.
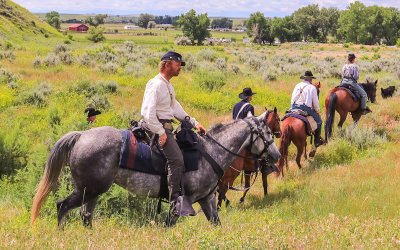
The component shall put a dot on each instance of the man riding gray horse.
(158, 109)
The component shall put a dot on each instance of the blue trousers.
(311, 112)
(363, 101)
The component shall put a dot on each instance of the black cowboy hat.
(92, 112)
(308, 75)
(172, 55)
(351, 57)
(246, 93)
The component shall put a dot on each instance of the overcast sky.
(227, 8)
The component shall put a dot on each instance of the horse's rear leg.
(87, 211)
(63, 206)
(299, 154)
(343, 117)
(222, 189)
(209, 207)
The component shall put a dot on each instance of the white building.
(131, 27)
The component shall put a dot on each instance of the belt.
(167, 124)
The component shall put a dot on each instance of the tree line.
(356, 24)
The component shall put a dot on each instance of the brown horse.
(294, 130)
(341, 101)
(247, 164)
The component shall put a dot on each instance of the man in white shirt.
(158, 109)
(305, 97)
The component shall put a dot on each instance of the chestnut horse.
(294, 130)
(247, 164)
(341, 101)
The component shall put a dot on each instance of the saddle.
(311, 125)
(139, 153)
(351, 90)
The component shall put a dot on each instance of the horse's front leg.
(209, 207)
(87, 212)
(247, 176)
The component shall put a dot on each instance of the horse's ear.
(275, 110)
(266, 109)
(376, 82)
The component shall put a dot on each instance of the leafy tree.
(307, 18)
(96, 34)
(151, 24)
(53, 18)
(144, 20)
(328, 18)
(259, 28)
(391, 25)
(352, 23)
(222, 23)
(96, 21)
(285, 29)
(195, 27)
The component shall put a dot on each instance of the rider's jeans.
(309, 111)
(363, 102)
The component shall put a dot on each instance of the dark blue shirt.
(245, 110)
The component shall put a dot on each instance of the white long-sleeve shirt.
(159, 103)
(305, 94)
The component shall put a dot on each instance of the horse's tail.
(283, 147)
(330, 115)
(59, 157)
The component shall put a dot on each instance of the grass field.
(346, 197)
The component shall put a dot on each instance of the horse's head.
(370, 89)
(317, 86)
(273, 122)
(263, 143)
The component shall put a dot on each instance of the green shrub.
(211, 80)
(99, 102)
(206, 55)
(51, 60)
(38, 62)
(191, 62)
(182, 40)
(234, 69)
(108, 86)
(61, 48)
(129, 46)
(96, 34)
(38, 95)
(109, 67)
(7, 76)
(66, 58)
(14, 147)
(87, 60)
(398, 42)
(220, 64)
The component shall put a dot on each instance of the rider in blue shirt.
(243, 108)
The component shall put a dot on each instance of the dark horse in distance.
(247, 164)
(93, 157)
(341, 100)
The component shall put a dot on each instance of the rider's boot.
(179, 205)
(318, 141)
(366, 111)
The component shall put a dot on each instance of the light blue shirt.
(350, 71)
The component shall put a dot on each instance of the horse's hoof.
(227, 203)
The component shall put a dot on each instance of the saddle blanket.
(304, 119)
(138, 156)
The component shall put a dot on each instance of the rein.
(258, 131)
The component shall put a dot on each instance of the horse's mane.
(219, 127)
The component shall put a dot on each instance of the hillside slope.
(18, 24)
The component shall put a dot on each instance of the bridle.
(256, 132)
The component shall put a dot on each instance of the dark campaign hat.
(351, 57)
(172, 55)
(246, 93)
(92, 112)
(308, 75)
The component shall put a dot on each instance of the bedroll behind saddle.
(311, 125)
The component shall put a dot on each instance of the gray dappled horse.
(93, 157)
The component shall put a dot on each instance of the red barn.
(78, 27)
